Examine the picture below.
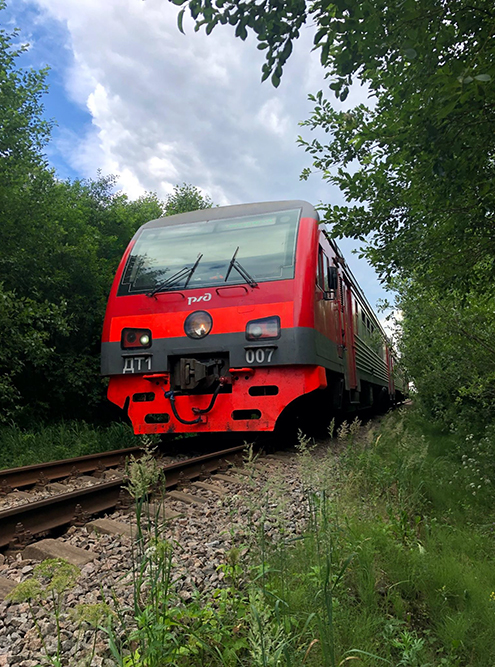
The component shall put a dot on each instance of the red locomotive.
(224, 319)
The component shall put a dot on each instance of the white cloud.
(272, 117)
(168, 108)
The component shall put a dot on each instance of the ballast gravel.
(202, 535)
(22, 496)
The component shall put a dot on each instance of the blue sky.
(134, 97)
(48, 41)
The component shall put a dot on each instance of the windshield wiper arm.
(234, 264)
(192, 270)
(186, 272)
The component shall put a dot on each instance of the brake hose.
(197, 411)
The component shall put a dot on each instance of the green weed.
(20, 447)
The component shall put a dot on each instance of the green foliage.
(50, 582)
(447, 347)
(20, 446)
(396, 564)
(61, 243)
(416, 165)
(144, 473)
(186, 198)
(58, 261)
(164, 630)
(23, 131)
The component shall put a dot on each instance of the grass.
(395, 566)
(20, 447)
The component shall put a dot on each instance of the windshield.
(266, 252)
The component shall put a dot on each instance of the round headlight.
(144, 340)
(198, 324)
(256, 331)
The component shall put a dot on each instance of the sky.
(134, 97)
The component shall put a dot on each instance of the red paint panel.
(293, 381)
(329, 318)
(350, 340)
(306, 259)
(225, 320)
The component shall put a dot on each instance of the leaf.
(275, 80)
(319, 35)
(325, 52)
(410, 53)
(286, 52)
(370, 655)
(180, 20)
(483, 77)
(344, 567)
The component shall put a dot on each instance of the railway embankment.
(375, 545)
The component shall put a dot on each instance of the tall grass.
(19, 447)
(397, 563)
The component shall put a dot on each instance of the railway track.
(19, 524)
(42, 473)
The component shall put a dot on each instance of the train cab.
(221, 319)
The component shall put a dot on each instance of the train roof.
(236, 211)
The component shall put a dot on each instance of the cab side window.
(322, 277)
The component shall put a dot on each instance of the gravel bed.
(22, 496)
(203, 536)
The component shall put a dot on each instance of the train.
(238, 319)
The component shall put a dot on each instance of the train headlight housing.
(267, 328)
(135, 339)
(198, 324)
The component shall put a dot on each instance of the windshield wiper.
(186, 272)
(234, 264)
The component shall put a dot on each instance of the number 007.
(259, 356)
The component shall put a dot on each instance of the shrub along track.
(19, 524)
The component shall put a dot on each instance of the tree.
(60, 245)
(449, 350)
(417, 167)
(186, 198)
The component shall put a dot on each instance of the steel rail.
(17, 478)
(18, 524)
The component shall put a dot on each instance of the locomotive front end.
(200, 332)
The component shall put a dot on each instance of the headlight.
(264, 329)
(135, 339)
(198, 324)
